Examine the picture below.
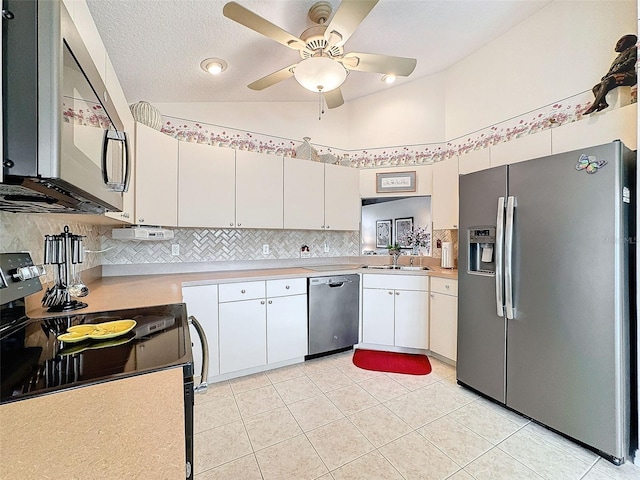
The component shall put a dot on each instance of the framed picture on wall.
(396, 182)
(403, 226)
(383, 233)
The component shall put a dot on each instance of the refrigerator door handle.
(499, 257)
(508, 260)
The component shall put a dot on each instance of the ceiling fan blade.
(333, 98)
(272, 78)
(385, 64)
(255, 22)
(347, 18)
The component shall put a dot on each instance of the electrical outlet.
(175, 249)
(265, 249)
(326, 247)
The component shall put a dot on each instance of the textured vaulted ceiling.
(156, 46)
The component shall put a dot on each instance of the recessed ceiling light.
(389, 78)
(214, 66)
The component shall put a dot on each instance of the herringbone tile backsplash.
(206, 245)
(25, 232)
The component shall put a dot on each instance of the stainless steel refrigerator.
(546, 264)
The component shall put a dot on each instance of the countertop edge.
(112, 293)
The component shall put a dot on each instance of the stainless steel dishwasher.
(333, 312)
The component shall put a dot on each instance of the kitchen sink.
(395, 267)
(382, 267)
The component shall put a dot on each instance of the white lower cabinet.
(395, 310)
(202, 303)
(243, 335)
(412, 319)
(249, 325)
(444, 317)
(378, 316)
(286, 328)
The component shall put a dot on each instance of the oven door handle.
(202, 388)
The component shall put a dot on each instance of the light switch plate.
(265, 249)
(175, 249)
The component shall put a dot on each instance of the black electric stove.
(34, 361)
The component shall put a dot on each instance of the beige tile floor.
(327, 419)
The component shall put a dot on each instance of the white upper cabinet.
(303, 194)
(206, 186)
(444, 200)
(341, 198)
(259, 190)
(156, 177)
(521, 149)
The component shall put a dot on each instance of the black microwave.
(64, 147)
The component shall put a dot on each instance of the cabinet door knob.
(262, 302)
(397, 293)
(243, 291)
(432, 295)
(287, 287)
(321, 226)
(328, 226)
(231, 224)
(141, 220)
(447, 287)
(270, 302)
(239, 224)
(390, 293)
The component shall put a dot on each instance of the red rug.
(392, 362)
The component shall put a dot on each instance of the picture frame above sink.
(395, 182)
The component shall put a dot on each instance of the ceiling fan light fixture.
(389, 78)
(320, 74)
(214, 66)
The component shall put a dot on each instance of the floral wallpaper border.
(549, 116)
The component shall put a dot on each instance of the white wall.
(411, 113)
(293, 120)
(562, 50)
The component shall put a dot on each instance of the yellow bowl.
(112, 329)
(98, 331)
(82, 329)
(73, 337)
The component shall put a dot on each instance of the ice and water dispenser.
(482, 243)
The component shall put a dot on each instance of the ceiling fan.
(324, 66)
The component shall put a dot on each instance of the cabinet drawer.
(287, 286)
(231, 292)
(398, 282)
(444, 285)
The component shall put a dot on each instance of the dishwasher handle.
(333, 282)
(202, 388)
